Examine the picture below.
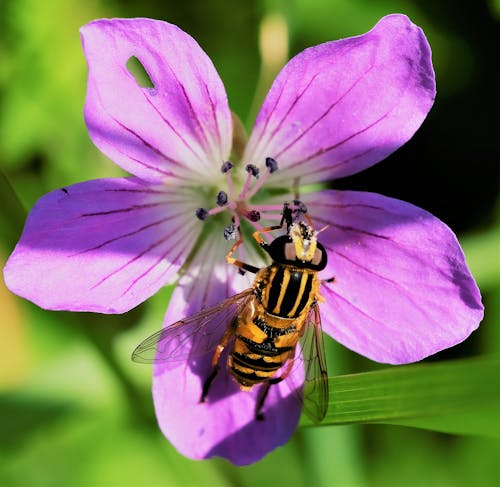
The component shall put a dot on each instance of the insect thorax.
(286, 291)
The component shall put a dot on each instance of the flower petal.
(225, 424)
(103, 245)
(342, 106)
(402, 289)
(180, 127)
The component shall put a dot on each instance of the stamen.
(201, 214)
(300, 207)
(216, 210)
(222, 198)
(244, 191)
(268, 207)
(253, 170)
(226, 167)
(236, 220)
(253, 216)
(271, 164)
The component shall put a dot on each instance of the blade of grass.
(460, 396)
(12, 214)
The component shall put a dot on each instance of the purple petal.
(182, 127)
(225, 425)
(103, 245)
(342, 106)
(402, 289)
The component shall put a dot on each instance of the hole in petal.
(139, 72)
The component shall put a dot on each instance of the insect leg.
(242, 265)
(215, 361)
(259, 415)
(259, 239)
(286, 218)
(296, 189)
(319, 297)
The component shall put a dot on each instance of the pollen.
(271, 164)
(304, 239)
(201, 214)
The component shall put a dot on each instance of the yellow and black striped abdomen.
(269, 328)
(256, 362)
(263, 343)
(288, 290)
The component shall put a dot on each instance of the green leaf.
(481, 251)
(461, 396)
(12, 213)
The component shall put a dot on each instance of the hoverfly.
(263, 324)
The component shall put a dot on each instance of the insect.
(263, 324)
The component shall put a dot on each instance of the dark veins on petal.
(398, 285)
(125, 210)
(331, 167)
(142, 253)
(174, 130)
(268, 118)
(129, 234)
(291, 107)
(352, 229)
(167, 252)
(151, 147)
(340, 143)
(323, 115)
(192, 111)
(135, 190)
(214, 115)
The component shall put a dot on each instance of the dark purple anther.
(253, 170)
(253, 216)
(300, 206)
(201, 214)
(271, 164)
(222, 198)
(226, 166)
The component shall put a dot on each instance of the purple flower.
(402, 290)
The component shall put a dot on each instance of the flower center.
(238, 203)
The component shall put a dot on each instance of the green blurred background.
(74, 409)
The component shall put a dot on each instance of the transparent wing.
(315, 393)
(192, 336)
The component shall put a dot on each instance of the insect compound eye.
(318, 256)
(290, 252)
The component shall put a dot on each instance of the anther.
(222, 198)
(201, 214)
(226, 166)
(299, 206)
(230, 232)
(253, 215)
(253, 170)
(271, 164)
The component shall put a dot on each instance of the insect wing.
(193, 336)
(315, 393)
